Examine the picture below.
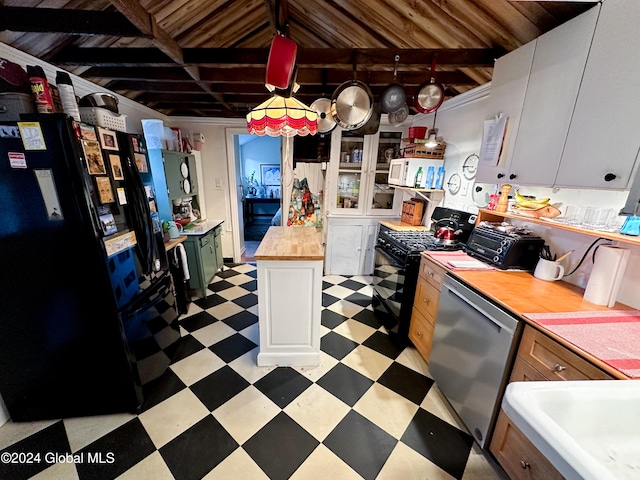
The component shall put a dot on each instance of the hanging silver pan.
(429, 95)
(393, 97)
(352, 103)
(322, 106)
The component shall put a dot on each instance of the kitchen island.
(204, 252)
(289, 261)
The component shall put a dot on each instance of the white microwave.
(402, 171)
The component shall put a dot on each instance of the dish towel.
(612, 336)
(179, 250)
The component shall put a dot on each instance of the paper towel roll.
(606, 275)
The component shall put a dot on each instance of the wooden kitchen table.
(289, 261)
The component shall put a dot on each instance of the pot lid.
(326, 123)
(352, 104)
(396, 118)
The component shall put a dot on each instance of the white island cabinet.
(289, 261)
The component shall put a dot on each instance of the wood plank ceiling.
(208, 57)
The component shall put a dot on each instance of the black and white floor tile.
(369, 411)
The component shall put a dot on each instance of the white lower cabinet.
(351, 245)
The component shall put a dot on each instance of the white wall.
(133, 110)
(459, 121)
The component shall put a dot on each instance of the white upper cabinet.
(558, 63)
(603, 140)
(357, 178)
(508, 89)
(536, 87)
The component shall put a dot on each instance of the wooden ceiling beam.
(74, 22)
(146, 22)
(244, 76)
(306, 57)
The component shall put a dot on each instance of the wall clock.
(454, 183)
(470, 166)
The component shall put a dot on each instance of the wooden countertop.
(172, 242)
(398, 225)
(290, 243)
(521, 292)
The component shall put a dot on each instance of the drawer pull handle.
(524, 464)
(425, 300)
(559, 368)
(430, 273)
(420, 334)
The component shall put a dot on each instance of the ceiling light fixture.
(432, 138)
(282, 116)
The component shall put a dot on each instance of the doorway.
(254, 168)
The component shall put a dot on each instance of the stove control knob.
(499, 250)
(496, 258)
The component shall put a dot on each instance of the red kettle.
(447, 231)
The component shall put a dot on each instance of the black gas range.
(397, 263)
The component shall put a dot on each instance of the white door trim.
(231, 132)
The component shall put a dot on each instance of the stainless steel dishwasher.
(473, 349)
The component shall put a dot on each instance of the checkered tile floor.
(369, 411)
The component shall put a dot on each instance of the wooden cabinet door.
(517, 455)
(603, 140)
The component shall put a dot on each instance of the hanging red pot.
(429, 95)
(281, 62)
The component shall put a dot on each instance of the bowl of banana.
(530, 206)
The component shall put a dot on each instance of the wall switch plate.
(218, 183)
(464, 188)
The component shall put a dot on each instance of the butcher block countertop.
(521, 294)
(290, 243)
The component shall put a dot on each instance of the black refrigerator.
(89, 318)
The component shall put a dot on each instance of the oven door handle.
(393, 261)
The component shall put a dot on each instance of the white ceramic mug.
(548, 270)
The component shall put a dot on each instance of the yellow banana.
(528, 202)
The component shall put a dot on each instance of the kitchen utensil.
(393, 97)
(372, 125)
(280, 65)
(429, 95)
(548, 270)
(101, 100)
(352, 103)
(174, 229)
(447, 231)
(326, 123)
(396, 118)
(566, 255)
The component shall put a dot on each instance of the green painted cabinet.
(180, 172)
(204, 257)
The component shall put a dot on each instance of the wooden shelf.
(419, 191)
(493, 216)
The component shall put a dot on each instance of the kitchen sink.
(587, 429)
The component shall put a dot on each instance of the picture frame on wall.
(116, 167)
(95, 161)
(108, 140)
(105, 192)
(270, 174)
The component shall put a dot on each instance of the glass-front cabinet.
(358, 173)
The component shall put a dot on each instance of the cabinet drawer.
(206, 240)
(523, 372)
(554, 361)
(421, 333)
(426, 299)
(431, 272)
(517, 455)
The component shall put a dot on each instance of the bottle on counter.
(430, 174)
(67, 95)
(418, 179)
(439, 178)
